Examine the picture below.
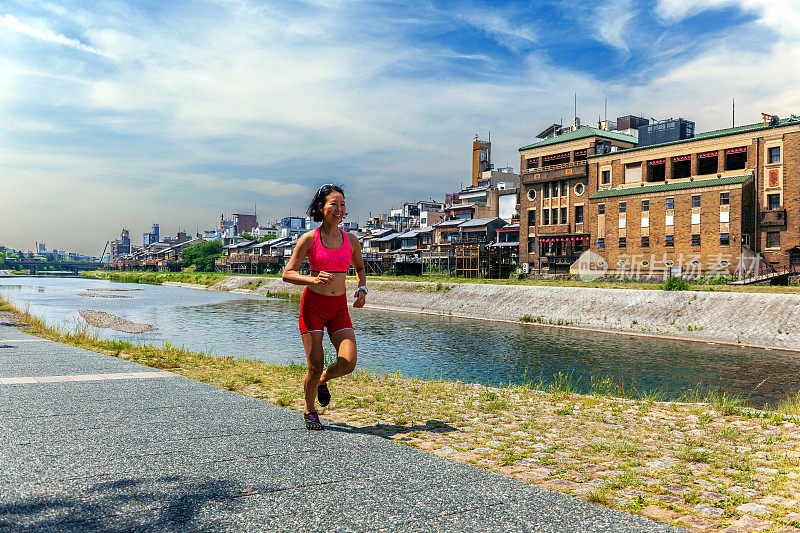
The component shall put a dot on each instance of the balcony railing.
(554, 167)
(577, 169)
(773, 217)
(469, 240)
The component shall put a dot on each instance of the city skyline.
(134, 113)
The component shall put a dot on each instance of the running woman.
(330, 252)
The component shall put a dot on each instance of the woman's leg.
(312, 342)
(344, 341)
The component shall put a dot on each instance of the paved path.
(95, 450)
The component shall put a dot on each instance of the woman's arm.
(290, 273)
(361, 272)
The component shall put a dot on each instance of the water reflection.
(421, 345)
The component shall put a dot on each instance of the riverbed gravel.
(107, 320)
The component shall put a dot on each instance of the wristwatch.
(362, 288)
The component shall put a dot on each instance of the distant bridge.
(33, 265)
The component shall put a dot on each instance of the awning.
(565, 239)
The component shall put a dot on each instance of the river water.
(417, 345)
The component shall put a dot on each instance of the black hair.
(315, 207)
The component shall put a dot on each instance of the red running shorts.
(318, 311)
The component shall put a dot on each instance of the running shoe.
(312, 421)
(323, 395)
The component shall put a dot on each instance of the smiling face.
(333, 210)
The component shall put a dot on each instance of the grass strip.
(703, 464)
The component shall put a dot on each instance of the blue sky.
(126, 113)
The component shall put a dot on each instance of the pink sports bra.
(330, 260)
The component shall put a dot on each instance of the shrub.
(675, 284)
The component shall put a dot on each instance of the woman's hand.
(323, 278)
(361, 299)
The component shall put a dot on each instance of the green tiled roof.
(581, 133)
(712, 135)
(665, 187)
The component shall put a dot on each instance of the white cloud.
(501, 27)
(611, 20)
(677, 10)
(45, 34)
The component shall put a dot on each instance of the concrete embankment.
(745, 319)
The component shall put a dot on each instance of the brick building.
(554, 195)
(700, 205)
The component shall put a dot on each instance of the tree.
(202, 255)
(251, 237)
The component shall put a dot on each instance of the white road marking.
(85, 377)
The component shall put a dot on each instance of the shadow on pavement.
(389, 430)
(166, 503)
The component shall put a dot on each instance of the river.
(417, 345)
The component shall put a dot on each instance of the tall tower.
(481, 158)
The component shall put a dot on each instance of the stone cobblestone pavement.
(94, 451)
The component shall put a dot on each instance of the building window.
(670, 203)
(531, 245)
(622, 242)
(623, 207)
(724, 239)
(601, 242)
(531, 217)
(554, 185)
(532, 194)
(601, 209)
(736, 158)
(696, 239)
(645, 205)
(564, 188)
(579, 214)
(579, 188)
(546, 190)
(724, 198)
(563, 215)
(669, 240)
(696, 200)
(606, 177)
(633, 173)
(554, 215)
(774, 154)
(774, 201)
(645, 242)
(546, 217)
(681, 167)
(773, 239)
(707, 163)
